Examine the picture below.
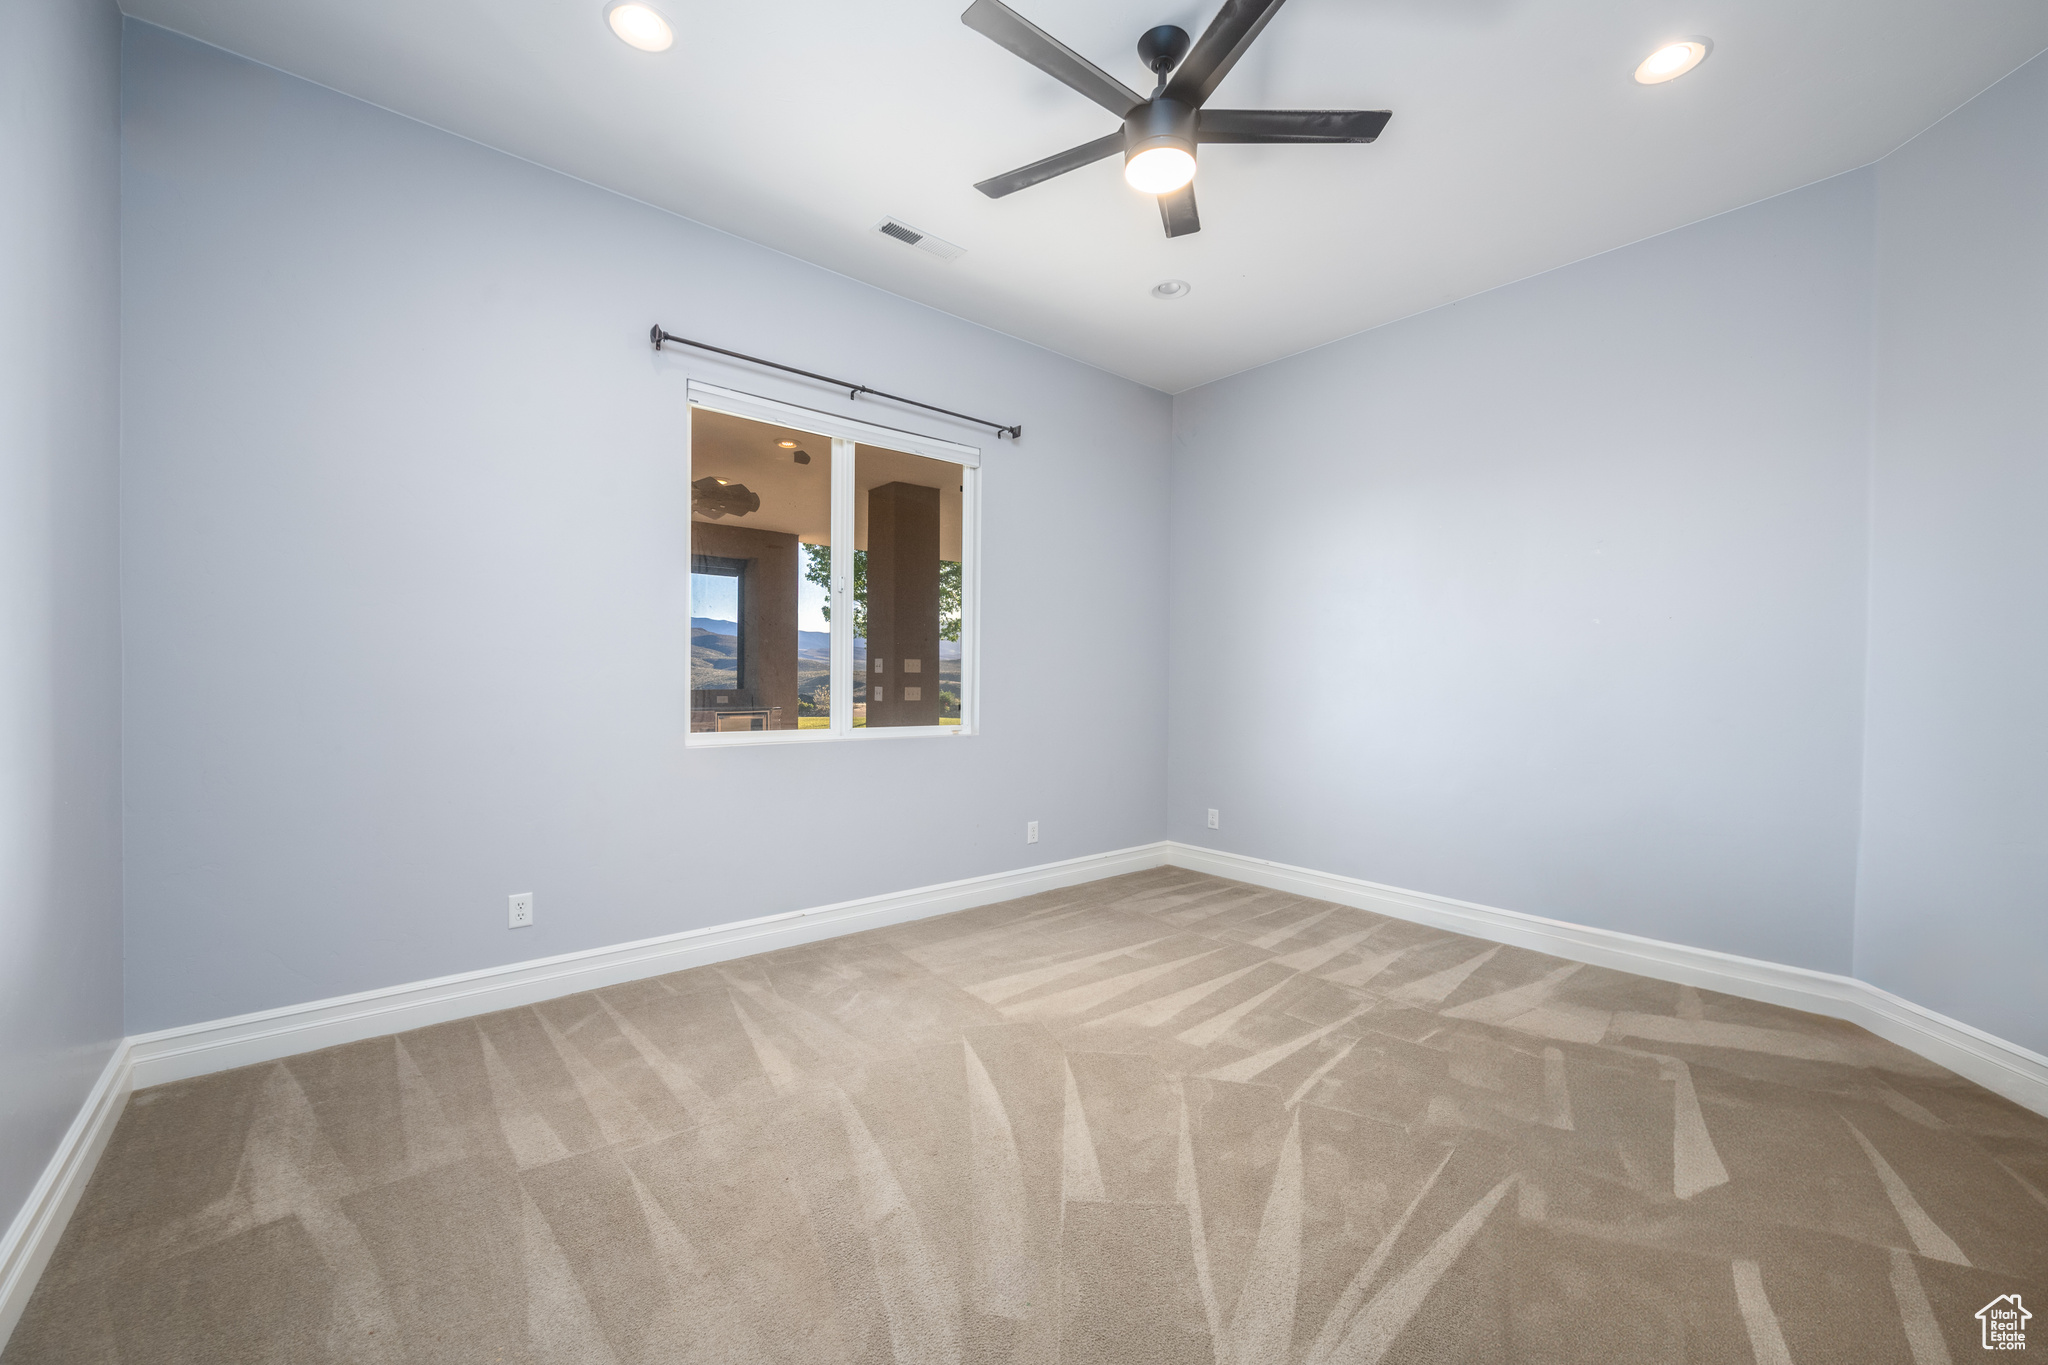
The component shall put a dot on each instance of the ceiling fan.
(1160, 134)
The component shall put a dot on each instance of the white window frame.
(846, 433)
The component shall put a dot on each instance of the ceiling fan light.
(639, 26)
(1672, 60)
(1160, 170)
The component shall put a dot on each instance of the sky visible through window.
(715, 597)
(811, 601)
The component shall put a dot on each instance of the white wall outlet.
(1031, 831)
(522, 910)
(1215, 821)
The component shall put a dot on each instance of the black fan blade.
(996, 20)
(1059, 163)
(1177, 212)
(1219, 47)
(1290, 125)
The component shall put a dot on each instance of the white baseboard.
(25, 1248)
(221, 1044)
(198, 1049)
(2018, 1073)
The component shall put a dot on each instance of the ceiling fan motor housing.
(1159, 123)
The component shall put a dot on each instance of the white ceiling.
(1519, 141)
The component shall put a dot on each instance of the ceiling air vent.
(923, 241)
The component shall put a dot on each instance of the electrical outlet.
(522, 910)
(1214, 821)
(1031, 832)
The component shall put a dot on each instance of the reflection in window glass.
(906, 589)
(760, 633)
(716, 588)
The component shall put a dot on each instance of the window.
(758, 492)
(906, 589)
(791, 640)
(717, 623)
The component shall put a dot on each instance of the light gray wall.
(60, 813)
(405, 552)
(1953, 910)
(1551, 599)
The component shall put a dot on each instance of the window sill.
(733, 739)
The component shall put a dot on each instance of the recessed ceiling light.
(639, 26)
(787, 445)
(1159, 170)
(1171, 289)
(1673, 60)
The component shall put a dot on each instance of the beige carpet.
(1158, 1118)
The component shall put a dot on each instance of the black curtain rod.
(657, 336)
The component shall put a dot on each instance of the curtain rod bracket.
(853, 391)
